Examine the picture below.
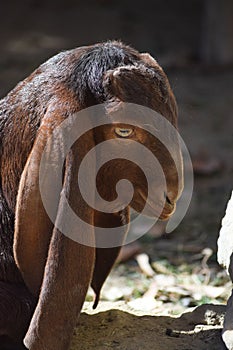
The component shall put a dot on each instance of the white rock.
(225, 240)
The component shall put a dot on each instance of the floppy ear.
(145, 84)
(67, 275)
(43, 253)
(106, 257)
(33, 228)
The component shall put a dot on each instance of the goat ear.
(54, 266)
(68, 269)
(104, 261)
(33, 228)
(106, 257)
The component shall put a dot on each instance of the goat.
(44, 275)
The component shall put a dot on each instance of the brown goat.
(44, 275)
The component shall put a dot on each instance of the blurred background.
(193, 41)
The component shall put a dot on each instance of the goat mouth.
(158, 210)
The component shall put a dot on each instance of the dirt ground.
(30, 34)
(117, 326)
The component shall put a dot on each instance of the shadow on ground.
(116, 326)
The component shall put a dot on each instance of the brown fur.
(42, 272)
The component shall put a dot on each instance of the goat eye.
(123, 132)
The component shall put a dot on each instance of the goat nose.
(169, 201)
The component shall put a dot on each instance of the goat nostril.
(169, 201)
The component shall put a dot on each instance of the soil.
(33, 31)
(117, 326)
